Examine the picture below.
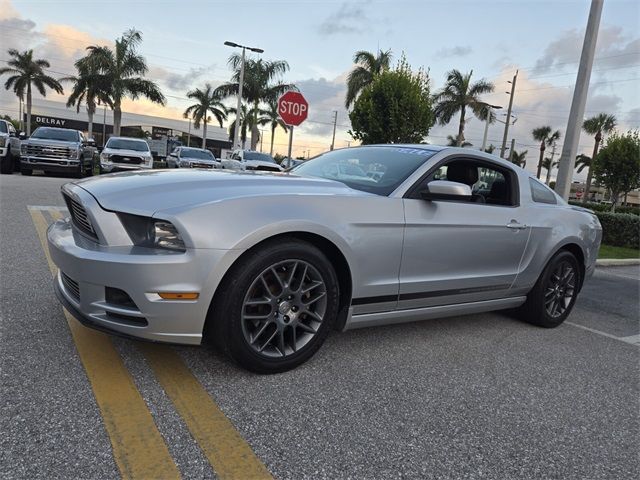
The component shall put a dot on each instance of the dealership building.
(55, 114)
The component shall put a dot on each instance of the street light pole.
(506, 125)
(576, 114)
(236, 133)
(486, 125)
(335, 122)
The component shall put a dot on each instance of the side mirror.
(446, 190)
(91, 142)
(22, 136)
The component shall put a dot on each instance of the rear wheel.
(552, 298)
(276, 307)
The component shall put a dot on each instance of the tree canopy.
(394, 108)
(617, 166)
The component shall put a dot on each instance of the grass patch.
(607, 251)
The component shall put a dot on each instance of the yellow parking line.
(138, 447)
(229, 454)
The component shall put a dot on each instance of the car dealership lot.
(475, 396)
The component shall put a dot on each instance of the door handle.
(516, 226)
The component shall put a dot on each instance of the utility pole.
(335, 122)
(513, 146)
(553, 154)
(486, 124)
(506, 125)
(576, 114)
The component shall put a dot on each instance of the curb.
(616, 262)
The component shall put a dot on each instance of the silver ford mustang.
(266, 264)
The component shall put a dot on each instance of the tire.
(553, 296)
(6, 164)
(275, 330)
(89, 171)
(81, 170)
(26, 171)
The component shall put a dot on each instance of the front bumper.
(48, 164)
(119, 167)
(3, 151)
(141, 273)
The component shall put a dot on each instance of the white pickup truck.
(9, 148)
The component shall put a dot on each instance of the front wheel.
(276, 307)
(6, 164)
(552, 298)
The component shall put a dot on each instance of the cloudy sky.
(183, 43)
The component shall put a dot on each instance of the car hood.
(45, 141)
(125, 152)
(144, 193)
(261, 163)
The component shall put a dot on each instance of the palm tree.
(368, 67)
(208, 102)
(261, 84)
(519, 158)
(548, 164)
(453, 142)
(596, 126)
(274, 121)
(458, 94)
(582, 162)
(245, 120)
(546, 139)
(124, 69)
(26, 72)
(89, 87)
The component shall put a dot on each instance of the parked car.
(250, 160)
(188, 157)
(266, 265)
(123, 153)
(9, 148)
(57, 150)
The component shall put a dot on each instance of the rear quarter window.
(541, 193)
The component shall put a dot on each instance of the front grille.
(47, 151)
(125, 159)
(70, 286)
(201, 165)
(264, 169)
(80, 218)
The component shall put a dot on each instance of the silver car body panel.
(409, 259)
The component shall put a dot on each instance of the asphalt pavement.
(478, 396)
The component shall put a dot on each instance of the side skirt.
(427, 313)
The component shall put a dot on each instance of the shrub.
(620, 229)
(603, 207)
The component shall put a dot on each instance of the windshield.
(195, 153)
(378, 170)
(258, 156)
(3, 127)
(126, 144)
(61, 134)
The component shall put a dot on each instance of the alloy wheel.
(284, 308)
(560, 289)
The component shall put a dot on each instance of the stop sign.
(293, 108)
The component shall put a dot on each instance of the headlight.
(3, 141)
(23, 148)
(152, 233)
(104, 157)
(74, 153)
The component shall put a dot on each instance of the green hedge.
(603, 207)
(620, 229)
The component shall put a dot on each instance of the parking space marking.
(633, 339)
(47, 208)
(229, 454)
(139, 450)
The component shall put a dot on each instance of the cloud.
(180, 82)
(457, 51)
(613, 50)
(7, 10)
(348, 19)
(324, 97)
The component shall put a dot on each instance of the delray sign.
(51, 121)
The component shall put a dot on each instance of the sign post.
(293, 110)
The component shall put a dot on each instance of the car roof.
(128, 138)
